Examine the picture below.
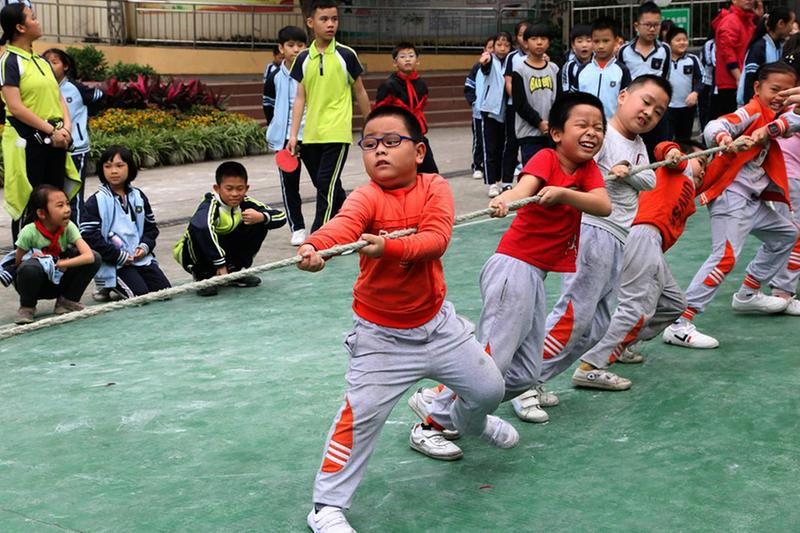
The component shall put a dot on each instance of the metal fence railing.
(208, 23)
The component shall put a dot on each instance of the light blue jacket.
(605, 83)
(494, 89)
(279, 93)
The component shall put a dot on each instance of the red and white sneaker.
(684, 333)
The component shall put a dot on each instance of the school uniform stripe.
(723, 268)
(335, 177)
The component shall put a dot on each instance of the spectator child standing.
(766, 46)
(405, 88)
(533, 89)
(603, 76)
(686, 77)
(708, 58)
(329, 74)
(580, 53)
(52, 259)
(733, 31)
(473, 92)
(118, 223)
(493, 114)
(279, 95)
(78, 98)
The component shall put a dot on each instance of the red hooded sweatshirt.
(733, 29)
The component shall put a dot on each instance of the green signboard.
(681, 16)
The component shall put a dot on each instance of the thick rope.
(283, 263)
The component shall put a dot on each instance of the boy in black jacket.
(227, 230)
(405, 88)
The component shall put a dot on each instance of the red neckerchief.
(413, 99)
(53, 249)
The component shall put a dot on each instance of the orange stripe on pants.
(723, 268)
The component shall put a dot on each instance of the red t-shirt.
(547, 237)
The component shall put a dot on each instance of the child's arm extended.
(722, 131)
(594, 202)
(346, 227)
(784, 125)
(641, 181)
(255, 212)
(86, 257)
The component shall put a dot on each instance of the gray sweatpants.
(384, 364)
(581, 316)
(511, 328)
(649, 298)
(733, 218)
(786, 279)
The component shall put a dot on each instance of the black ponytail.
(10, 17)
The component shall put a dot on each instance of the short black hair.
(409, 120)
(321, 4)
(606, 23)
(504, 35)
(580, 30)
(127, 157)
(536, 30)
(65, 59)
(674, 32)
(488, 40)
(639, 81)
(403, 45)
(291, 33)
(778, 67)
(647, 7)
(566, 102)
(230, 169)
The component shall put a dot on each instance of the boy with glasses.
(645, 54)
(404, 328)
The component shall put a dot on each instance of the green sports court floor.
(210, 415)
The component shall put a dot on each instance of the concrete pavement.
(175, 192)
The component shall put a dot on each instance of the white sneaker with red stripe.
(759, 303)
(328, 520)
(684, 333)
(431, 442)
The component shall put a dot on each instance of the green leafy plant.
(90, 63)
(129, 71)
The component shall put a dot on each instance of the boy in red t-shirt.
(649, 297)
(404, 328)
(542, 238)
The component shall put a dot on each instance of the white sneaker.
(632, 354)
(494, 190)
(298, 237)
(684, 333)
(546, 399)
(759, 303)
(477, 175)
(431, 442)
(420, 402)
(499, 433)
(599, 378)
(328, 520)
(793, 308)
(528, 409)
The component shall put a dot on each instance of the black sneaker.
(208, 291)
(245, 281)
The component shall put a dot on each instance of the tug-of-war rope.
(283, 263)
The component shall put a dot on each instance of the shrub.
(90, 63)
(151, 92)
(129, 71)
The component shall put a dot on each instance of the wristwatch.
(773, 129)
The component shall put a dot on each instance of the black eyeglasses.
(392, 140)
